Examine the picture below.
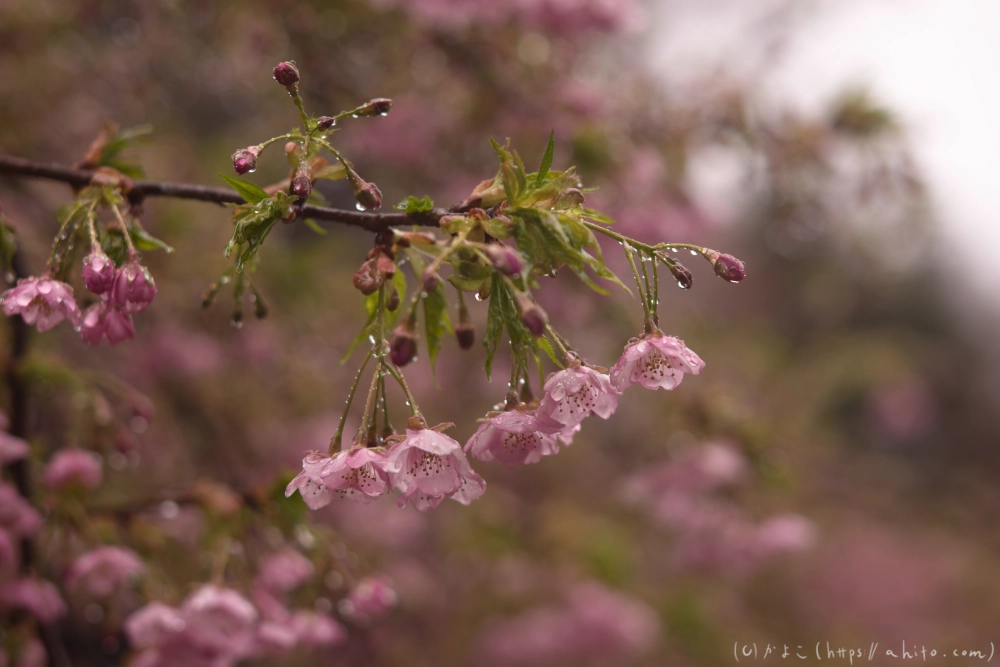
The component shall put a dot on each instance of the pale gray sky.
(935, 62)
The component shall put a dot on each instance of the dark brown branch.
(369, 220)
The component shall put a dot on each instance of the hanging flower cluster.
(117, 283)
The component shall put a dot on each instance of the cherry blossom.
(655, 362)
(573, 394)
(101, 571)
(43, 302)
(357, 474)
(512, 438)
(73, 466)
(428, 466)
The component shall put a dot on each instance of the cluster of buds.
(379, 266)
(123, 291)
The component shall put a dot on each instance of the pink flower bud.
(325, 122)
(302, 183)
(403, 347)
(98, 272)
(570, 198)
(466, 335)
(729, 268)
(245, 160)
(431, 280)
(286, 73)
(380, 106)
(134, 288)
(534, 319)
(505, 260)
(683, 276)
(369, 196)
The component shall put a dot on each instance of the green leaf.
(545, 345)
(313, 225)
(145, 241)
(466, 284)
(543, 170)
(412, 205)
(251, 193)
(494, 326)
(597, 217)
(436, 321)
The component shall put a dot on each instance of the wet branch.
(138, 190)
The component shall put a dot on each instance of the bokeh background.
(832, 474)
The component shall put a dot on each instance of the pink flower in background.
(220, 618)
(17, 516)
(73, 466)
(316, 630)
(36, 596)
(655, 362)
(512, 438)
(8, 555)
(369, 598)
(41, 301)
(284, 571)
(573, 394)
(101, 571)
(153, 625)
(428, 466)
(12, 448)
(595, 622)
(785, 533)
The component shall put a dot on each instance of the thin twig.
(141, 189)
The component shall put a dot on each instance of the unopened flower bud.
(403, 346)
(532, 315)
(570, 198)
(505, 259)
(728, 267)
(391, 298)
(466, 335)
(301, 185)
(134, 288)
(368, 196)
(431, 280)
(98, 272)
(380, 106)
(683, 276)
(118, 326)
(245, 159)
(286, 73)
(326, 122)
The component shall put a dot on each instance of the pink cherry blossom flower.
(101, 571)
(41, 301)
(17, 516)
(512, 438)
(73, 466)
(220, 619)
(356, 473)
(284, 571)
(370, 598)
(12, 448)
(655, 362)
(134, 288)
(36, 596)
(315, 494)
(100, 320)
(573, 394)
(98, 272)
(316, 630)
(428, 466)
(153, 625)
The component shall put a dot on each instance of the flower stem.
(132, 252)
(335, 441)
(406, 390)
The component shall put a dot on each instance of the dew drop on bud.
(360, 207)
(682, 285)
